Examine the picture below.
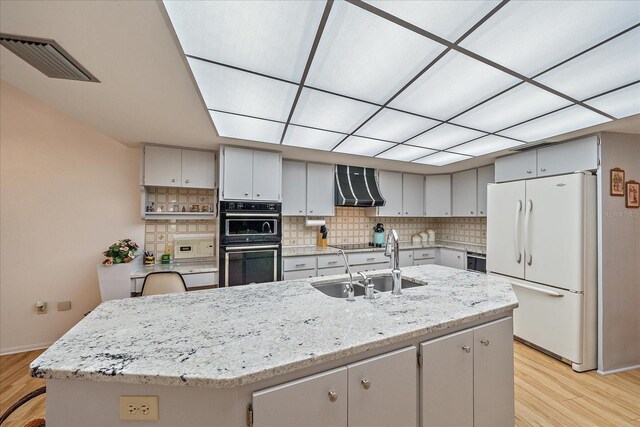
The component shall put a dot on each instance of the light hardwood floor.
(548, 392)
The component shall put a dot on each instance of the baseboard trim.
(23, 348)
(617, 371)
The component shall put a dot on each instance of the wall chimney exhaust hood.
(357, 187)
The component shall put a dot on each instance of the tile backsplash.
(159, 233)
(350, 225)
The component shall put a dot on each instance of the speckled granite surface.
(228, 337)
(330, 250)
(182, 267)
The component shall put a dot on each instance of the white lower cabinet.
(298, 274)
(453, 258)
(331, 271)
(380, 391)
(467, 377)
(406, 258)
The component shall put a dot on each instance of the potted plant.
(114, 274)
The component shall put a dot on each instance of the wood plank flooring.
(548, 392)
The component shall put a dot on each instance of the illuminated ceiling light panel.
(607, 67)
(298, 136)
(445, 18)
(367, 57)
(362, 146)
(395, 126)
(532, 36)
(269, 37)
(405, 153)
(563, 121)
(331, 112)
(442, 158)
(445, 136)
(621, 103)
(232, 126)
(485, 145)
(515, 106)
(238, 92)
(452, 85)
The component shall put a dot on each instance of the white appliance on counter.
(541, 235)
(188, 246)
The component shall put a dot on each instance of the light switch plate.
(140, 408)
(64, 305)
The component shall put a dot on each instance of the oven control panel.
(250, 207)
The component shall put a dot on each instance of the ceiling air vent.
(530, 146)
(48, 57)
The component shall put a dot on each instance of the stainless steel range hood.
(357, 187)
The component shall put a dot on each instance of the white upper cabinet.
(391, 189)
(175, 167)
(413, 194)
(250, 174)
(518, 166)
(578, 155)
(486, 175)
(294, 188)
(437, 195)
(465, 193)
(307, 189)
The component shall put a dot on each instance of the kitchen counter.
(182, 267)
(288, 251)
(229, 337)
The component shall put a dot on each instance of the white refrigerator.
(541, 235)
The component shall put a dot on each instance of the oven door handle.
(261, 215)
(244, 248)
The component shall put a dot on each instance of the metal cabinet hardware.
(485, 342)
(187, 181)
(333, 396)
(366, 383)
(466, 348)
(173, 180)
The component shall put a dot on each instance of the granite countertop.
(268, 329)
(288, 251)
(182, 267)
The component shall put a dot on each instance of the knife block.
(320, 241)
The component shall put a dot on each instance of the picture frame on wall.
(632, 199)
(617, 182)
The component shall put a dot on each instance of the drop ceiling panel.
(298, 136)
(405, 153)
(452, 85)
(269, 37)
(362, 146)
(232, 126)
(331, 112)
(239, 92)
(557, 123)
(531, 36)
(367, 57)
(521, 103)
(395, 126)
(607, 67)
(621, 103)
(442, 158)
(445, 136)
(445, 18)
(485, 145)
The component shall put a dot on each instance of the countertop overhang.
(229, 337)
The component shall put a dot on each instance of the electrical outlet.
(41, 307)
(139, 408)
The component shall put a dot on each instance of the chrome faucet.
(368, 286)
(394, 253)
(348, 287)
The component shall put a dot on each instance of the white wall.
(618, 258)
(67, 192)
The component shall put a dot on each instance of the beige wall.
(619, 255)
(66, 192)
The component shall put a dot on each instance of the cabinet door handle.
(246, 194)
(173, 180)
(543, 170)
(399, 213)
(333, 396)
(481, 212)
(366, 383)
(528, 171)
(406, 213)
(466, 348)
(187, 181)
(258, 194)
(300, 211)
(309, 211)
(485, 342)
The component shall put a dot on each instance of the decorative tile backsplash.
(159, 233)
(350, 225)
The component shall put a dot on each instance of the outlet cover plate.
(140, 408)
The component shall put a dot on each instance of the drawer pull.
(300, 265)
(371, 259)
(485, 342)
(466, 348)
(366, 383)
(333, 396)
(332, 262)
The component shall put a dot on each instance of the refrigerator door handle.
(527, 246)
(516, 237)
(533, 288)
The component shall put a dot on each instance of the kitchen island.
(212, 355)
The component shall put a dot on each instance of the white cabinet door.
(517, 166)
(294, 188)
(493, 374)
(299, 274)
(412, 195)
(406, 258)
(267, 173)
(437, 195)
(486, 175)
(465, 193)
(383, 390)
(453, 258)
(447, 381)
(391, 189)
(319, 400)
(162, 166)
(579, 155)
(238, 173)
(320, 190)
(198, 169)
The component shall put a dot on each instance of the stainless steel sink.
(380, 284)
(385, 283)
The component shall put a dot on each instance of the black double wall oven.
(250, 243)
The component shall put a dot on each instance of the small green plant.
(120, 252)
